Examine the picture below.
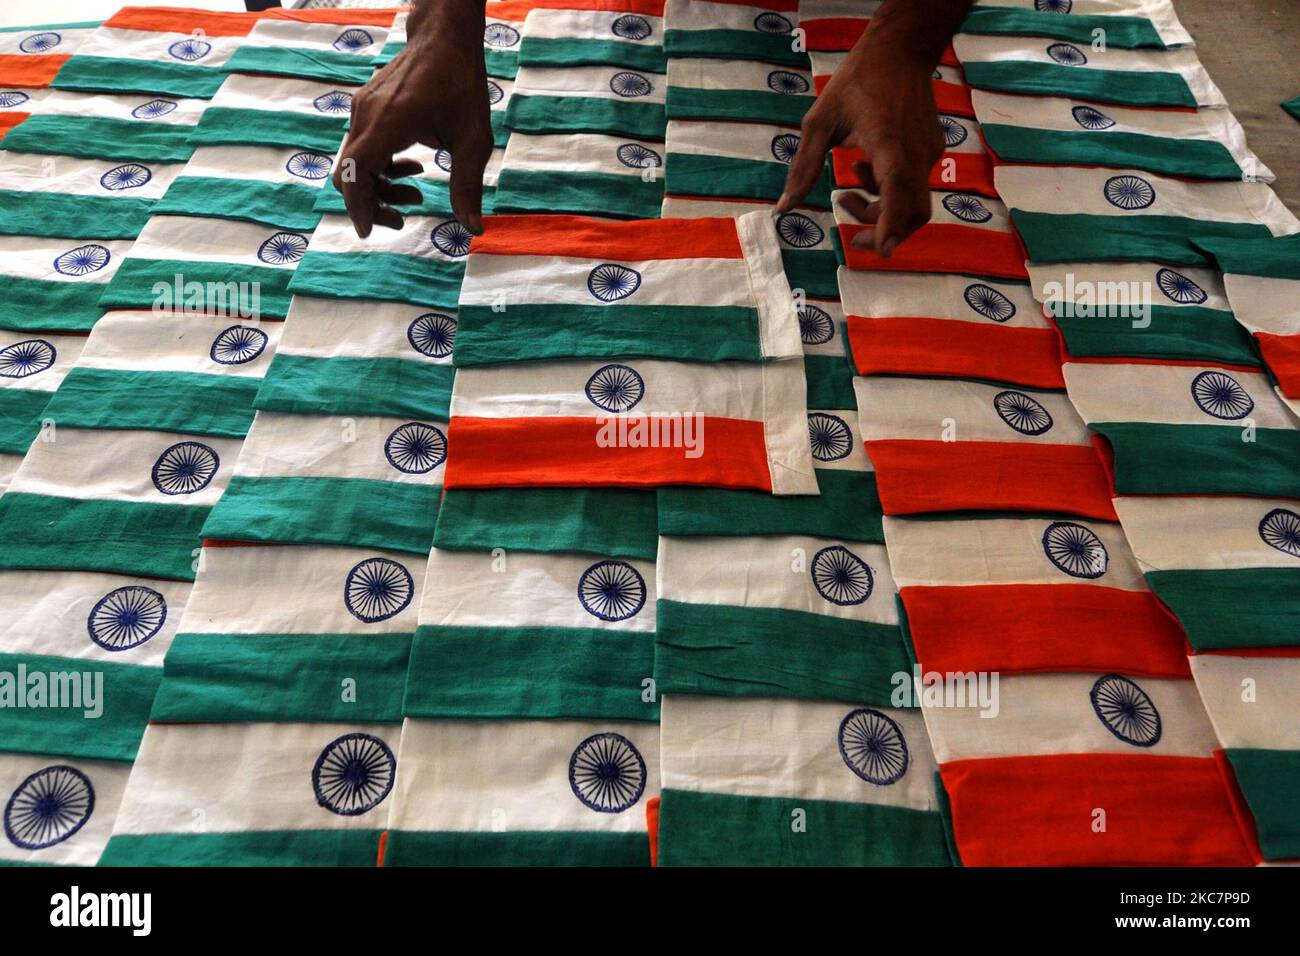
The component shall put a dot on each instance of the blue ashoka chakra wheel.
(954, 133)
(637, 156)
(82, 260)
(25, 358)
(612, 591)
(126, 176)
(873, 747)
(783, 81)
(12, 98)
(1126, 710)
(784, 146)
(798, 230)
(283, 247)
(631, 27)
(831, 437)
(1026, 415)
(989, 302)
(1054, 6)
(190, 49)
(416, 448)
(500, 35)
(1178, 288)
(353, 774)
(1067, 54)
(1074, 549)
(1220, 395)
(1091, 118)
(352, 40)
(610, 282)
(841, 577)
(184, 468)
(154, 109)
(615, 388)
(432, 334)
(1280, 529)
(769, 22)
(48, 807)
(335, 101)
(40, 42)
(309, 165)
(966, 208)
(607, 773)
(451, 238)
(238, 345)
(495, 93)
(126, 617)
(376, 589)
(627, 83)
(816, 327)
(1129, 192)
(442, 158)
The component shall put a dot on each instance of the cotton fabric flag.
(55, 284)
(588, 99)
(1126, 24)
(965, 166)
(86, 792)
(585, 174)
(342, 52)
(763, 31)
(31, 368)
(124, 127)
(586, 33)
(433, 181)
(31, 56)
(257, 110)
(734, 160)
(738, 90)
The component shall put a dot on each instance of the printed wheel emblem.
(615, 388)
(495, 93)
(443, 160)
(816, 327)
(190, 50)
(1074, 549)
(185, 468)
(873, 747)
(841, 577)
(451, 238)
(1220, 395)
(607, 773)
(48, 807)
(40, 42)
(631, 27)
(82, 260)
(798, 230)
(1178, 288)
(283, 247)
(1129, 192)
(637, 156)
(335, 101)
(377, 589)
(350, 41)
(954, 133)
(1280, 529)
(126, 176)
(308, 165)
(1054, 6)
(627, 83)
(989, 302)
(1090, 118)
(612, 591)
(831, 437)
(238, 345)
(500, 35)
(1126, 710)
(784, 146)
(769, 22)
(154, 109)
(353, 774)
(1026, 415)
(126, 617)
(966, 208)
(432, 334)
(610, 282)
(1067, 54)
(26, 358)
(416, 448)
(783, 81)
(12, 98)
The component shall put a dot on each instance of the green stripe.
(20, 418)
(282, 205)
(389, 51)
(530, 672)
(70, 214)
(1274, 257)
(748, 652)
(549, 848)
(1204, 159)
(98, 137)
(585, 114)
(190, 402)
(750, 106)
(692, 175)
(1232, 607)
(132, 286)
(1121, 32)
(527, 333)
(613, 522)
(829, 380)
(500, 128)
(228, 126)
(1167, 332)
(813, 270)
(1268, 781)
(39, 305)
(344, 678)
(1203, 459)
(735, 45)
(433, 283)
(122, 702)
(356, 386)
(351, 512)
(576, 51)
(247, 848)
(326, 65)
(503, 64)
(104, 74)
(717, 829)
(1080, 237)
(582, 194)
(95, 534)
(1126, 87)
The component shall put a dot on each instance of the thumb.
(469, 157)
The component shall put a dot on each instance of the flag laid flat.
(55, 284)
(1126, 25)
(272, 185)
(31, 368)
(1187, 429)
(31, 56)
(86, 791)
(759, 782)
(276, 111)
(127, 128)
(763, 31)
(501, 36)
(585, 174)
(433, 181)
(734, 160)
(953, 445)
(738, 90)
(588, 99)
(608, 34)
(318, 51)
(965, 166)
(951, 94)
(827, 367)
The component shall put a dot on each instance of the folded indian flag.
(1189, 429)
(1067, 214)
(31, 368)
(502, 34)
(734, 160)
(743, 90)
(31, 56)
(588, 99)
(1126, 24)
(276, 111)
(126, 128)
(586, 174)
(826, 362)
(85, 795)
(763, 31)
(596, 33)
(762, 782)
(953, 445)
(55, 284)
(342, 52)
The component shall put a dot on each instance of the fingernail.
(887, 249)
(781, 203)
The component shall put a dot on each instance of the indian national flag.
(763, 31)
(433, 181)
(125, 127)
(1127, 24)
(951, 94)
(586, 174)
(963, 167)
(502, 34)
(31, 56)
(626, 33)
(272, 185)
(55, 284)
(735, 160)
(31, 368)
(588, 99)
(87, 791)
(738, 90)
(341, 51)
(276, 111)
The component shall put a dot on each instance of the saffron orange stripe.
(374, 17)
(943, 247)
(836, 34)
(19, 69)
(1282, 356)
(710, 238)
(183, 20)
(9, 120)
(960, 172)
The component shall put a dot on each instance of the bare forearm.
(913, 31)
(464, 18)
